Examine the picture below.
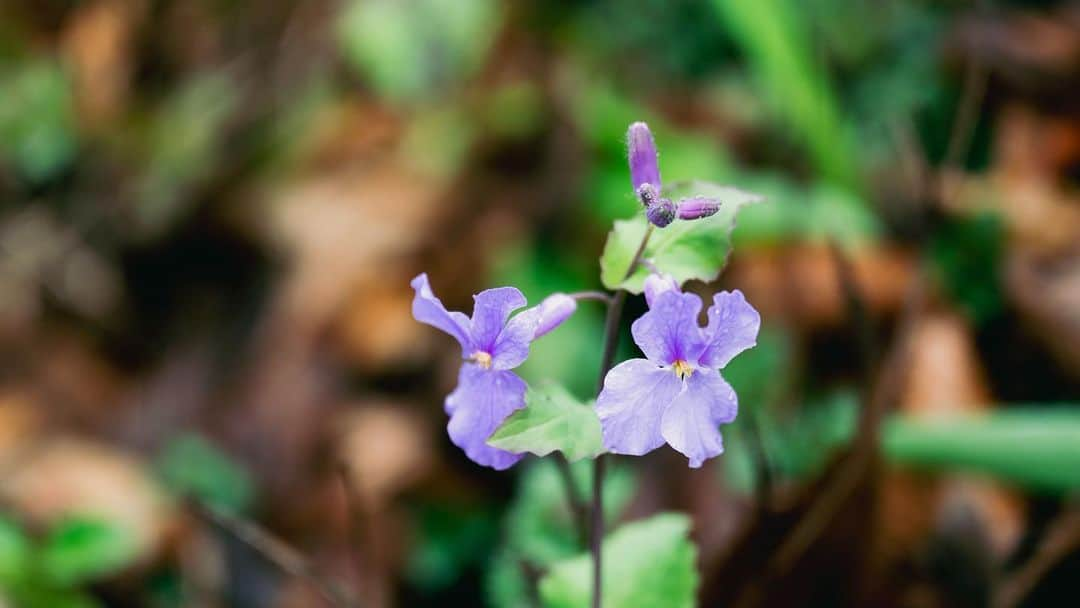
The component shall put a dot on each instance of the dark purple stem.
(611, 341)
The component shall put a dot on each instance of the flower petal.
(733, 328)
(690, 423)
(512, 346)
(669, 331)
(636, 393)
(644, 168)
(483, 399)
(658, 283)
(426, 308)
(491, 308)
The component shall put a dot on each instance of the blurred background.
(212, 391)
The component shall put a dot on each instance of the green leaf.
(37, 124)
(80, 549)
(450, 539)
(191, 466)
(551, 420)
(14, 551)
(776, 40)
(1033, 447)
(647, 564)
(409, 50)
(686, 250)
(32, 595)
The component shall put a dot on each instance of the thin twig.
(975, 80)
(348, 490)
(1060, 540)
(597, 296)
(276, 551)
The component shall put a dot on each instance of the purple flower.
(645, 177)
(492, 344)
(676, 394)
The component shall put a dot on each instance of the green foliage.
(797, 213)
(37, 123)
(183, 140)
(48, 574)
(647, 564)
(774, 37)
(451, 539)
(685, 249)
(540, 528)
(81, 549)
(552, 420)
(14, 552)
(1037, 447)
(967, 259)
(796, 444)
(408, 50)
(191, 466)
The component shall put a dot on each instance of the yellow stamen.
(482, 359)
(682, 369)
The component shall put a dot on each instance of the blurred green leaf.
(408, 49)
(26, 595)
(82, 549)
(967, 259)
(760, 374)
(796, 213)
(647, 564)
(14, 552)
(182, 147)
(796, 444)
(451, 539)
(540, 525)
(685, 249)
(1037, 447)
(552, 420)
(37, 123)
(192, 466)
(774, 36)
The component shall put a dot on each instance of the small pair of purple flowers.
(492, 344)
(675, 394)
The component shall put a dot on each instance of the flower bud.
(697, 208)
(656, 284)
(647, 195)
(644, 168)
(555, 309)
(661, 213)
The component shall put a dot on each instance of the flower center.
(482, 359)
(682, 369)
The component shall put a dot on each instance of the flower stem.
(611, 342)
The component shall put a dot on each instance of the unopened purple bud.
(661, 213)
(555, 309)
(697, 208)
(643, 162)
(656, 284)
(647, 195)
